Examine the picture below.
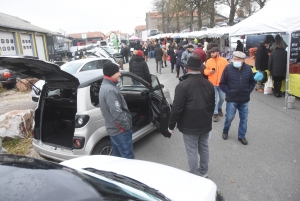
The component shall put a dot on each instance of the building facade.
(86, 38)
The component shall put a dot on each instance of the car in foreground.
(100, 178)
(73, 67)
(68, 120)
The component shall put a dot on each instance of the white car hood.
(174, 183)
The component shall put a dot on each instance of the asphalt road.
(268, 168)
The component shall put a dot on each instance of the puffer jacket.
(237, 84)
(219, 64)
(140, 68)
(277, 62)
(261, 58)
(178, 56)
(185, 56)
(193, 105)
(158, 53)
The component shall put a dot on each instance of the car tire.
(103, 147)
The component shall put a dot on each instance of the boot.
(215, 118)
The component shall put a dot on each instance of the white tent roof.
(276, 16)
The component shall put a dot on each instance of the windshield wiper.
(128, 181)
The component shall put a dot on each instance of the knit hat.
(109, 69)
(139, 53)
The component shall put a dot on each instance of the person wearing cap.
(115, 112)
(237, 82)
(186, 54)
(140, 67)
(192, 109)
(214, 69)
(278, 39)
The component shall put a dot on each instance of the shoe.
(220, 113)
(166, 66)
(216, 118)
(260, 90)
(243, 141)
(171, 71)
(176, 76)
(277, 95)
(225, 135)
(203, 175)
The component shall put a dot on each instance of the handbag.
(258, 76)
(268, 86)
(168, 58)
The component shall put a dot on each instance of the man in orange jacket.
(214, 69)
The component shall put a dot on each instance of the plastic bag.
(258, 76)
(268, 86)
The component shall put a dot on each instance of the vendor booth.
(277, 17)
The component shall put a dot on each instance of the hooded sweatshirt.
(219, 64)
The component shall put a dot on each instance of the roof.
(140, 27)
(94, 34)
(157, 15)
(13, 22)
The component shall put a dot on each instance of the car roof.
(87, 77)
(87, 60)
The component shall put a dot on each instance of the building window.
(7, 41)
(24, 47)
(29, 47)
(8, 48)
(0, 49)
(11, 41)
(23, 41)
(2, 40)
(3, 49)
(12, 48)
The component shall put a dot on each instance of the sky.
(74, 16)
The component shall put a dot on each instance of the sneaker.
(203, 175)
(243, 141)
(225, 135)
(215, 118)
(220, 113)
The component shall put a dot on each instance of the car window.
(89, 66)
(127, 83)
(94, 93)
(71, 67)
(102, 62)
(155, 84)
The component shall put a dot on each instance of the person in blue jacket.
(237, 82)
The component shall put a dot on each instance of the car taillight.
(78, 142)
(6, 74)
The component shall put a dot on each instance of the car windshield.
(71, 67)
(108, 49)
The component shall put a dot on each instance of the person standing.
(164, 56)
(140, 67)
(214, 69)
(199, 50)
(192, 109)
(158, 53)
(261, 63)
(237, 82)
(145, 51)
(115, 112)
(125, 54)
(132, 59)
(240, 46)
(171, 53)
(179, 65)
(186, 54)
(151, 50)
(277, 67)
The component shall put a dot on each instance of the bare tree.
(233, 7)
(178, 9)
(248, 7)
(261, 3)
(160, 6)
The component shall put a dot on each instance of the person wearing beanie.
(132, 59)
(214, 69)
(115, 112)
(193, 106)
(140, 67)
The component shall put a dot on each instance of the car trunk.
(57, 112)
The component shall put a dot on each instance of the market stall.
(269, 20)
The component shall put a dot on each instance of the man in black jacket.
(261, 63)
(193, 107)
(158, 53)
(140, 67)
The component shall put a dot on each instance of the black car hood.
(36, 68)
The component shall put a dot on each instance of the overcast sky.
(75, 16)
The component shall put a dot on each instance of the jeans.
(151, 53)
(194, 145)
(219, 94)
(158, 64)
(172, 66)
(231, 108)
(122, 145)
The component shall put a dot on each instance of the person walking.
(199, 50)
(214, 69)
(145, 52)
(115, 112)
(164, 56)
(277, 67)
(179, 65)
(192, 109)
(140, 67)
(237, 82)
(158, 53)
(152, 50)
(186, 54)
(261, 63)
(125, 54)
(171, 53)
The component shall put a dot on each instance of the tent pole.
(287, 70)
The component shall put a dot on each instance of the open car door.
(160, 107)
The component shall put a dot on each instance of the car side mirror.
(158, 87)
(145, 92)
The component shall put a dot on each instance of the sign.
(83, 36)
(295, 45)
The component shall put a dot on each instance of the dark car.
(8, 78)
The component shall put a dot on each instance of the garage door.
(7, 43)
(40, 47)
(26, 44)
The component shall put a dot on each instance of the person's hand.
(171, 131)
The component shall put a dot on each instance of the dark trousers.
(178, 69)
(277, 83)
(172, 66)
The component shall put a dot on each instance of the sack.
(268, 86)
(168, 58)
(259, 76)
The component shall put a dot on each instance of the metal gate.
(27, 44)
(7, 44)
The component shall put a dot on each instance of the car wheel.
(103, 148)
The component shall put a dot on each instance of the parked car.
(72, 67)
(8, 78)
(99, 178)
(68, 121)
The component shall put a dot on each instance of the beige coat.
(164, 56)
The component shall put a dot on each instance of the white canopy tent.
(277, 16)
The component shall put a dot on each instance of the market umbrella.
(134, 38)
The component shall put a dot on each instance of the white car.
(100, 178)
(72, 67)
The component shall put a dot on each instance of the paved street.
(268, 168)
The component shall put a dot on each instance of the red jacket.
(201, 54)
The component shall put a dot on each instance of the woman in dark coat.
(178, 55)
(140, 67)
(171, 53)
(261, 63)
(240, 46)
(277, 67)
